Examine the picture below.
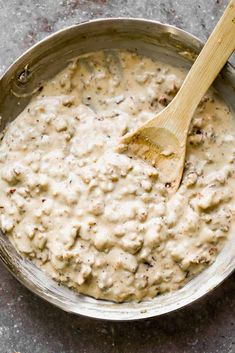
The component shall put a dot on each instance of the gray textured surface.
(29, 325)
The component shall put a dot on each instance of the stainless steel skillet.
(42, 62)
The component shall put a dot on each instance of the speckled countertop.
(28, 324)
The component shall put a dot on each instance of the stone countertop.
(30, 325)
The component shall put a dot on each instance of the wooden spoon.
(162, 140)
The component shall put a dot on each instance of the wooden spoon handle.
(210, 61)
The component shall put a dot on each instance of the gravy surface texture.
(99, 221)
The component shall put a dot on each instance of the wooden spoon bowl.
(162, 140)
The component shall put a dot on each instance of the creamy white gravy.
(98, 221)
